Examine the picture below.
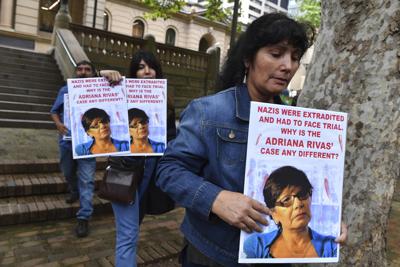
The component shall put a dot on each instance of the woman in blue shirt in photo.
(96, 123)
(287, 194)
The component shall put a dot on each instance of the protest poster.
(147, 116)
(99, 118)
(66, 118)
(295, 164)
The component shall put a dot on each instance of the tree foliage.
(215, 11)
(162, 8)
(166, 8)
(310, 12)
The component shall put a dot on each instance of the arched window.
(203, 45)
(138, 28)
(106, 21)
(170, 37)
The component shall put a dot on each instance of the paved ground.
(31, 144)
(54, 243)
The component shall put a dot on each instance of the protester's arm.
(60, 126)
(179, 174)
(56, 109)
(179, 170)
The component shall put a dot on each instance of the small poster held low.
(147, 115)
(295, 165)
(99, 120)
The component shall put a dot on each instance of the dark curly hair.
(268, 29)
(150, 60)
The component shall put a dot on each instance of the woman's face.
(139, 128)
(99, 129)
(292, 208)
(145, 71)
(272, 69)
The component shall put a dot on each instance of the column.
(6, 13)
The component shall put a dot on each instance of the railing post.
(62, 20)
(212, 70)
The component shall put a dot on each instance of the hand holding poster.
(295, 163)
(147, 114)
(99, 119)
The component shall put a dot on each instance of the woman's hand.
(343, 234)
(62, 129)
(113, 76)
(240, 211)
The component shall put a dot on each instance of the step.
(27, 209)
(31, 84)
(14, 70)
(35, 124)
(23, 53)
(26, 55)
(27, 98)
(48, 63)
(26, 67)
(38, 166)
(31, 184)
(35, 77)
(24, 115)
(27, 91)
(11, 105)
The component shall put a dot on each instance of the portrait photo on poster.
(295, 166)
(99, 118)
(147, 116)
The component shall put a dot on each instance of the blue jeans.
(127, 228)
(79, 174)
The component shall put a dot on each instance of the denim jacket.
(207, 156)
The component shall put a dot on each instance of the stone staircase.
(29, 84)
(35, 191)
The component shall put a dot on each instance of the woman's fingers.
(343, 236)
(240, 211)
(252, 225)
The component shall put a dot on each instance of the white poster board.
(147, 114)
(67, 118)
(99, 118)
(312, 141)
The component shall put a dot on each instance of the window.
(285, 4)
(203, 45)
(138, 28)
(170, 37)
(256, 1)
(106, 21)
(274, 1)
(255, 9)
(47, 13)
(49, 8)
(251, 17)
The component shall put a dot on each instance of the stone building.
(28, 24)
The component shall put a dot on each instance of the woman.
(149, 199)
(139, 132)
(96, 123)
(203, 169)
(287, 194)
